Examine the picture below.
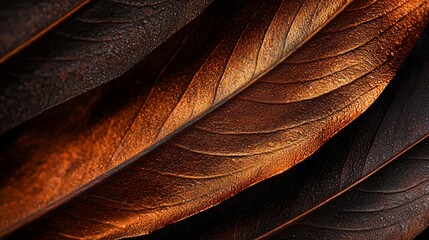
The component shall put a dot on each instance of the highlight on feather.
(214, 119)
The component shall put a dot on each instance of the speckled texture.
(22, 20)
(392, 204)
(96, 46)
(280, 202)
(74, 148)
(257, 134)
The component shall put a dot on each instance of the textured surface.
(247, 139)
(398, 211)
(94, 47)
(60, 152)
(392, 204)
(337, 165)
(23, 21)
(393, 125)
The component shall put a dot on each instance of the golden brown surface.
(59, 153)
(265, 130)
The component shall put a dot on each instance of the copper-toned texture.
(265, 130)
(59, 153)
(97, 45)
(281, 201)
(23, 21)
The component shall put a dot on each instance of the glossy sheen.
(256, 135)
(281, 201)
(94, 47)
(23, 21)
(60, 152)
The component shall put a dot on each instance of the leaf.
(392, 204)
(202, 167)
(22, 22)
(65, 151)
(96, 46)
(339, 165)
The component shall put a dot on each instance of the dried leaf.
(22, 22)
(392, 204)
(96, 137)
(347, 159)
(96, 46)
(245, 141)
